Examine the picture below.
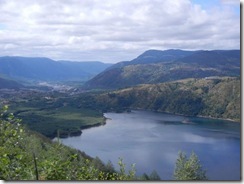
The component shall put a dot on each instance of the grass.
(62, 114)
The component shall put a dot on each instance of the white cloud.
(231, 2)
(113, 30)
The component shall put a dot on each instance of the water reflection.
(193, 138)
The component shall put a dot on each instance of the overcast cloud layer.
(115, 30)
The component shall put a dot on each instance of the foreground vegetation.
(189, 168)
(25, 155)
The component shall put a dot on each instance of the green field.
(59, 114)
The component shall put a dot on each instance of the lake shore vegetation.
(27, 155)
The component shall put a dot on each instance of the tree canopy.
(189, 168)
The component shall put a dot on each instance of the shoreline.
(210, 117)
(197, 116)
(76, 134)
(139, 109)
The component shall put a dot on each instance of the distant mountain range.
(156, 66)
(153, 66)
(45, 69)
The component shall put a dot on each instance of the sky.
(115, 30)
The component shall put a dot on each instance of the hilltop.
(155, 66)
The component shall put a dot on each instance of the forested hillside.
(212, 97)
(156, 66)
(9, 84)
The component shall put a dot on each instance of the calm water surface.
(153, 140)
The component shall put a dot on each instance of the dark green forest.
(216, 97)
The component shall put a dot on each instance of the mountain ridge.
(45, 69)
(161, 67)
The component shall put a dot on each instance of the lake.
(152, 141)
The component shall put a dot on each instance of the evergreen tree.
(189, 169)
(154, 176)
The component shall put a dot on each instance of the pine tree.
(189, 169)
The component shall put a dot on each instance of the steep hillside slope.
(212, 97)
(161, 66)
(9, 84)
